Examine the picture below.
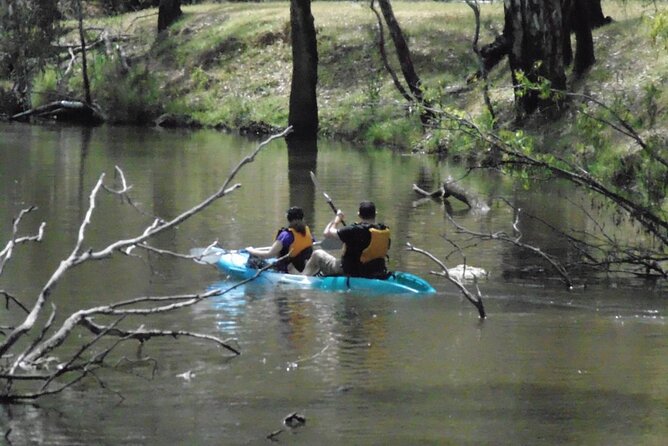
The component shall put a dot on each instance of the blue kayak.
(235, 264)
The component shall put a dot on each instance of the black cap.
(367, 210)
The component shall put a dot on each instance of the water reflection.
(302, 159)
(229, 306)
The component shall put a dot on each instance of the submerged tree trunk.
(536, 50)
(168, 12)
(303, 115)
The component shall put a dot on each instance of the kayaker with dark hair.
(366, 244)
(295, 240)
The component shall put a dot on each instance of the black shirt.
(357, 237)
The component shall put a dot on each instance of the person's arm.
(266, 252)
(331, 230)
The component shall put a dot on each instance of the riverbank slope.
(228, 65)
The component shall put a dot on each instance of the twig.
(14, 240)
(501, 236)
(476, 301)
(9, 297)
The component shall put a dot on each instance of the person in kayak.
(366, 244)
(295, 240)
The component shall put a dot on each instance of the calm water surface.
(548, 366)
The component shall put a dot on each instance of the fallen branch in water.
(475, 300)
(503, 237)
(20, 359)
(450, 188)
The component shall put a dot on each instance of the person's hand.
(339, 215)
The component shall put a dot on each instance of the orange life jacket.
(379, 245)
(300, 242)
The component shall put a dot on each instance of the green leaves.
(542, 85)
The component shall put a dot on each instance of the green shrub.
(44, 88)
(658, 28)
(125, 96)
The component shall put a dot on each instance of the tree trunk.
(303, 115)
(537, 48)
(581, 24)
(404, 55)
(84, 61)
(168, 12)
(595, 13)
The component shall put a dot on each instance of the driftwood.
(71, 111)
(450, 188)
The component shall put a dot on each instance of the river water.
(548, 365)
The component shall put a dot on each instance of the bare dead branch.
(6, 253)
(502, 236)
(66, 367)
(475, 300)
(37, 340)
(78, 257)
(9, 297)
(142, 335)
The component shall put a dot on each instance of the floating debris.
(294, 420)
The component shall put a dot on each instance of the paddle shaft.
(326, 195)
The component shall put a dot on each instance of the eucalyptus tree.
(536, 39)
(414, 93)
(303, 114)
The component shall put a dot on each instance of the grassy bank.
(229, 65)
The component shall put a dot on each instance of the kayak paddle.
(327, 243)
(326, 195)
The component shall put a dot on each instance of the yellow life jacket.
(379, 245)
(301, 242)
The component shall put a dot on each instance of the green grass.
(229, 64)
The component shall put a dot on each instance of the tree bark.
(84, 61)
(303, 114)
(537, 48)
(581, 24)
(595, 13)
(168, 12)
(405, 61)
(531, 33)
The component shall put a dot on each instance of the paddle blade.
(206, 256)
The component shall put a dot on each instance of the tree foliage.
(27, 30)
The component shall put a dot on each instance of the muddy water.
(548, 366)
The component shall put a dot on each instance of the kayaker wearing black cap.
(296, 240)
(366, 244)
